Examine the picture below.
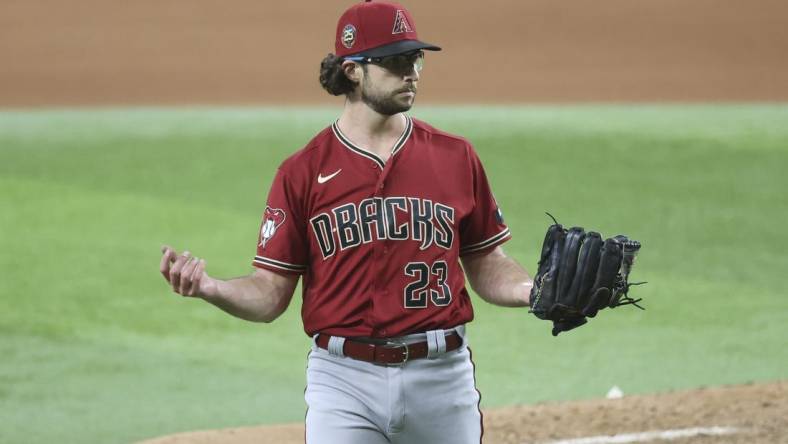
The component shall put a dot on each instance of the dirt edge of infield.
(758, 410)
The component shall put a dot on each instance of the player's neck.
(370, 130)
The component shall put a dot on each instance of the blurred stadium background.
(127, 125)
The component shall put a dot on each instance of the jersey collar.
(366, 153)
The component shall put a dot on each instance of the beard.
(387, 104)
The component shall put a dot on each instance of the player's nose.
(412, 74)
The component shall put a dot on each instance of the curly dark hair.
(333, 78)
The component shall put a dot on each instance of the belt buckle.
(405, 353)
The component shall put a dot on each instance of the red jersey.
(379, 243)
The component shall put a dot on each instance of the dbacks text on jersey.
(378, 218)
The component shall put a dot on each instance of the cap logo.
(401, 23)
(349, 36)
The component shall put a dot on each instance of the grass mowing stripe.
(99, 351)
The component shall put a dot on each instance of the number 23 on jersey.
(429, 286)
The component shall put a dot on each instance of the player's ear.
(352, 71)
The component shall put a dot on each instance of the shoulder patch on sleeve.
(272, 220)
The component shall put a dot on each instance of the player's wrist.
(525, 292)
(209, 288)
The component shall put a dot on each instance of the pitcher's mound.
(751, 413)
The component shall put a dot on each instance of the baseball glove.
(579, 274)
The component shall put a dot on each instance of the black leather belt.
(391, 353)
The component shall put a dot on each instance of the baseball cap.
(377, 29)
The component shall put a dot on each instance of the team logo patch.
(272, 220)
(349, 36)
(401, 23)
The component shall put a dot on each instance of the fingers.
(168, 255)
(197, 275)
(182, 271)
(187, 276)
(177, 268)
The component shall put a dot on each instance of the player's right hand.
(185, 273)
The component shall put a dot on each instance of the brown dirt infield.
(95, 52)
(758, 411)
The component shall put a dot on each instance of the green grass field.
(95, 349)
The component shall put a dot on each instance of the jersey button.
(381, 185)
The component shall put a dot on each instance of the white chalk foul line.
(649, 436)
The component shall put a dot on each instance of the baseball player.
(383, 217)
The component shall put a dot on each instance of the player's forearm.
(499, 279)
(251, 298)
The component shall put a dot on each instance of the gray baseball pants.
(423, 401)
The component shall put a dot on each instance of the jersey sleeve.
(483, 228)
(281, 242)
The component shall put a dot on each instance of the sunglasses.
(397, 64)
